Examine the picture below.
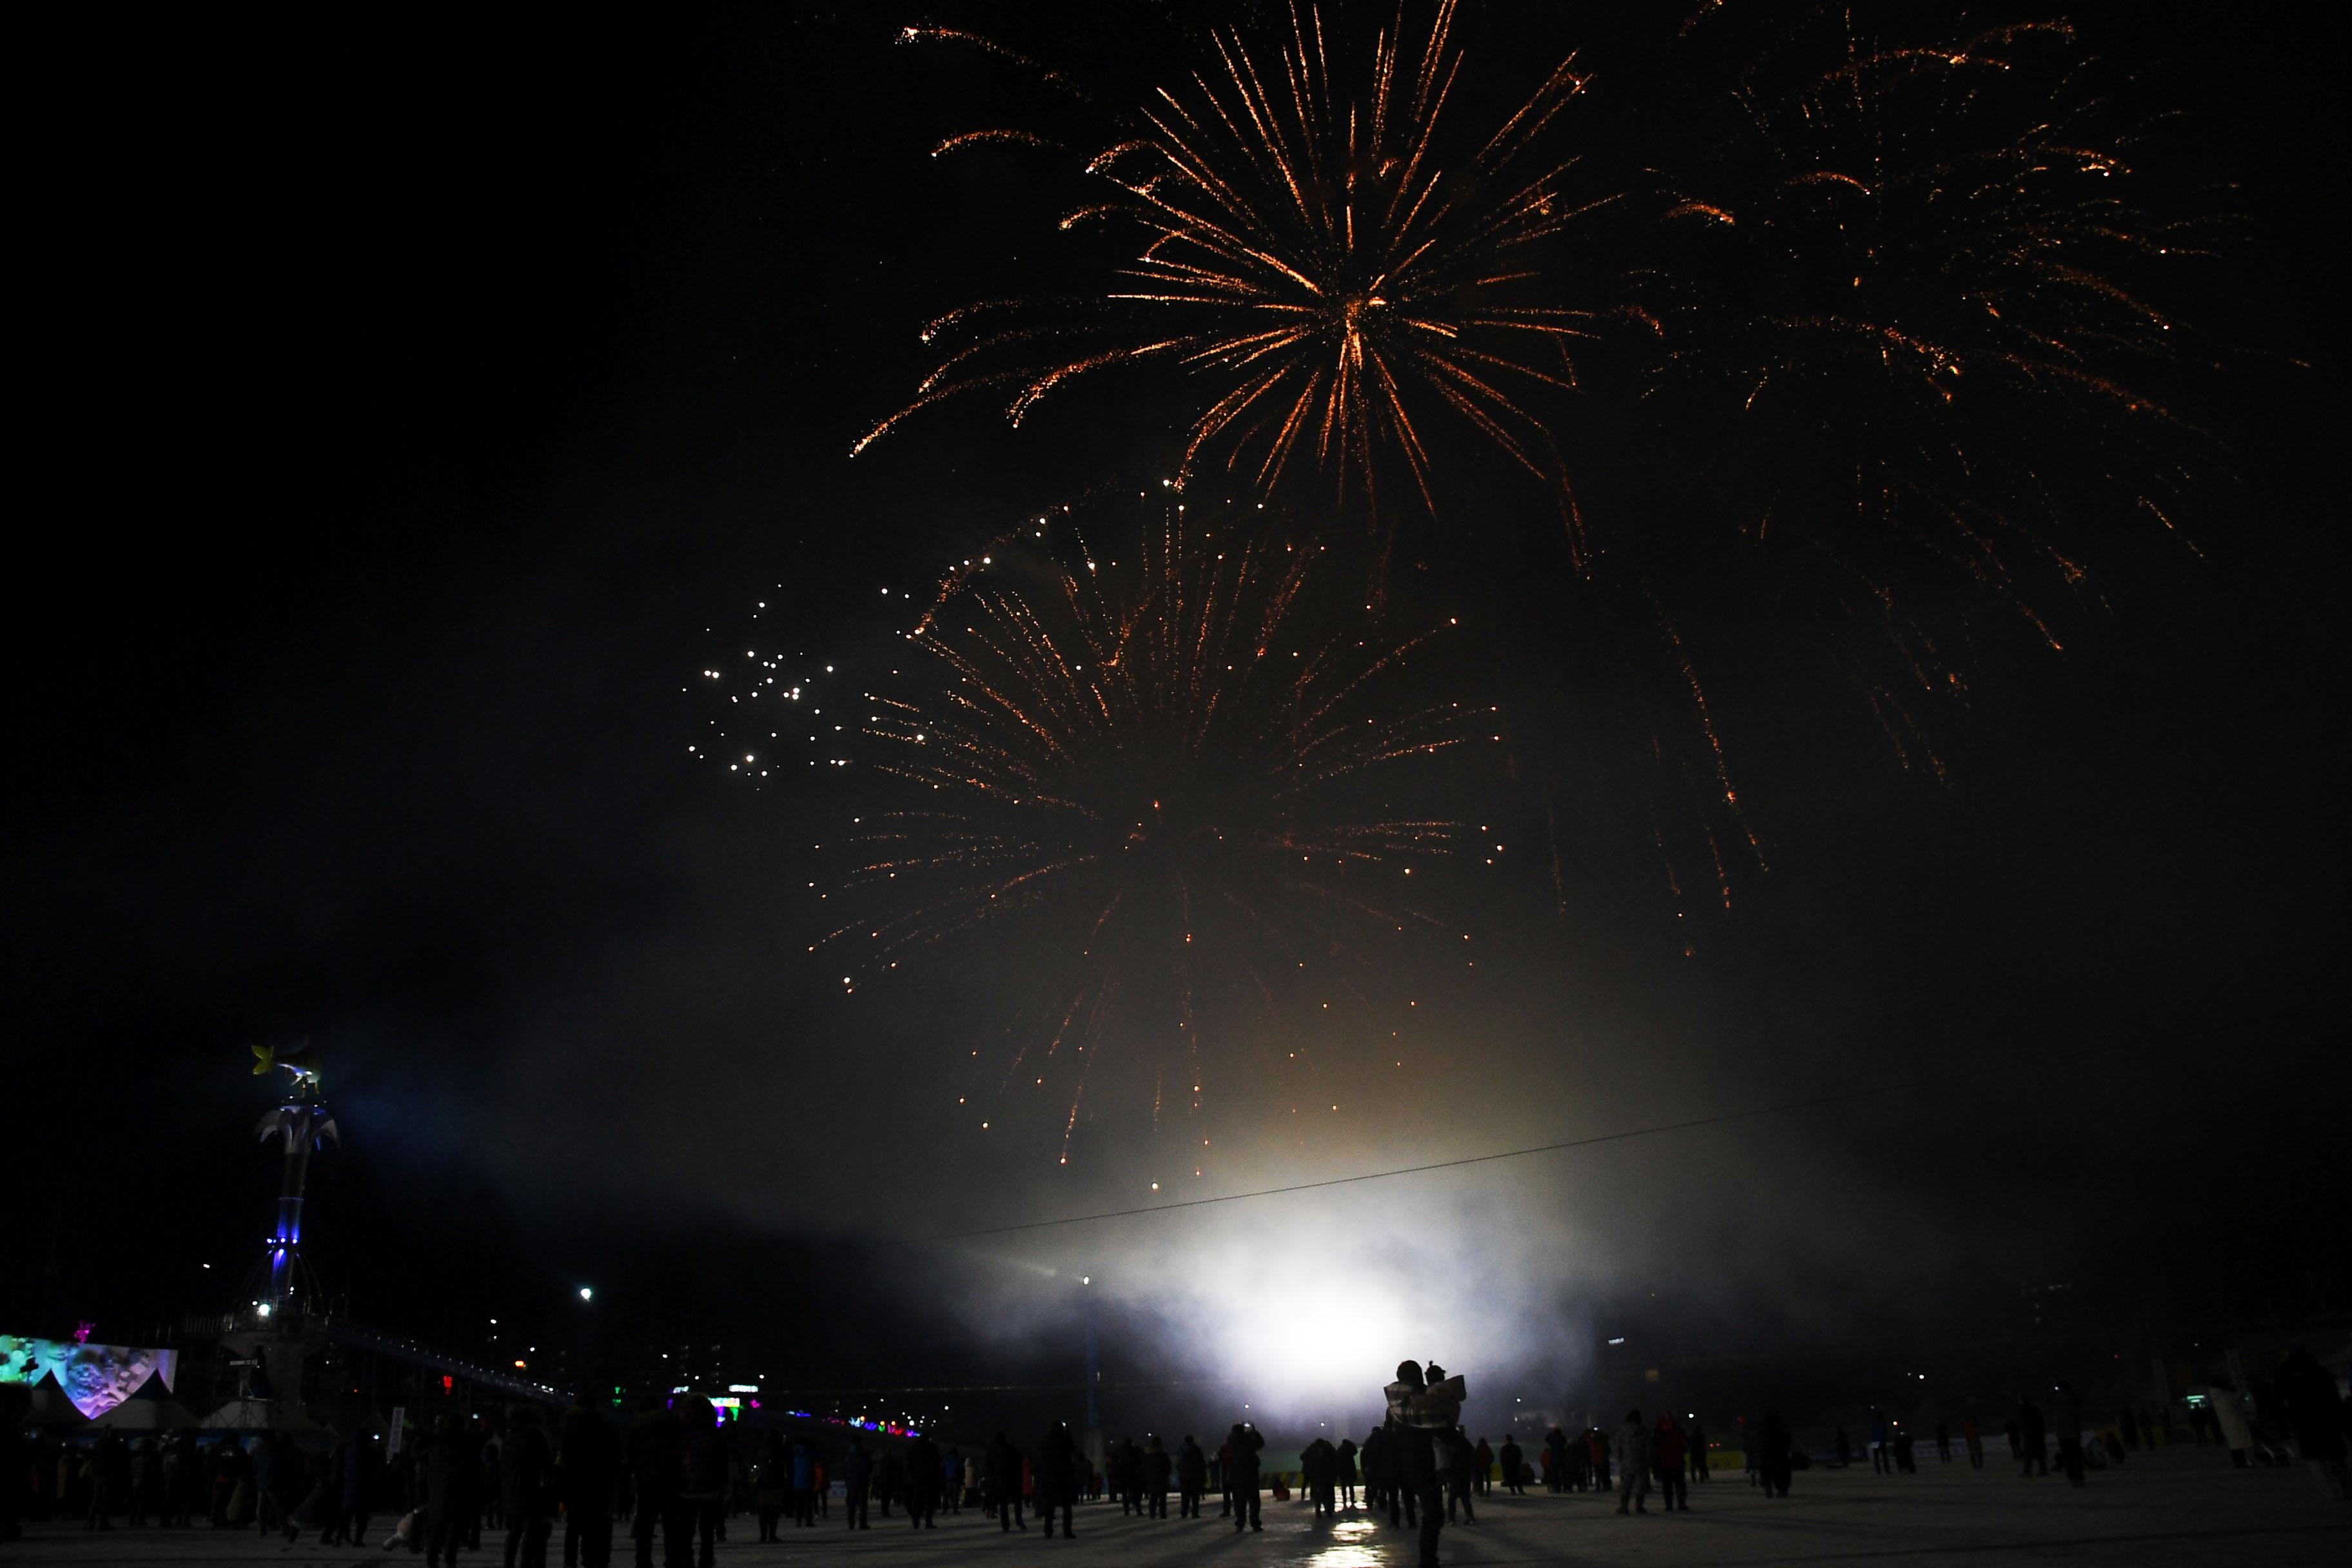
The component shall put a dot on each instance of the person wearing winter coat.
(588, 1464)
(701, 1497)
(1379, 1473)
(1345, 1459)
(1634, 1455)
(803, 1484)
(1316, 1462)
(923, 1475)
(1056, 1478)
(1667, 1451)
(452, 1496)
(1421, 1406)
(356, 1465)
(1004, 1466)
(2033, 1444)
(1192, 1478)
(651, 1448)
(1157, 1467)
(1513, 1460)
(1460, 1465)
(1241, 1478)
(2069, 1434)
(857, 1484)
(1772, 1465)
(526, 1482)
(2307, 1390)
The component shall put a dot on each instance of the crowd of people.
(2296, 1415)
(672, 1476)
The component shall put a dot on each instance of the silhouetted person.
(15, 1461)
(1057, 1478)
(363, 1464)
(1004, 1483)
(1972, 1437)
(1882, 1455)
(858, 1485)
(588, 1466)
(2069, 1434)
(1343, 1460)
(1378, 1455)
(1943, 1441)
(652, 1451)
(1482, 1468)
(2032, 1439)
(1125, 1476)
(1772, 1460)
(1317, 1464)
(1633, 1457)
(805, 1484)
(1157, 1467)
(1458, 1460)
(924, 1476)
(1556, 1444)
(701, 1499)
(1241, 1480)
(452, 1475)
(1417, 1412)
(1512, 1460)
(2307, 1393)
(1192, 1478)
(1667, 1452)
(110, 1478)
(285, 1477)
(772, 1485)
(526, 1482)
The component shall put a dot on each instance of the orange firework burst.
(1326, 254)
(1154, 787)
(1913, 299)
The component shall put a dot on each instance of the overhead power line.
(2042, 1064)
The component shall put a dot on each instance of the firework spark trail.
(988, 46)
(1162, 774)
(1959, 303)
(1316, 249)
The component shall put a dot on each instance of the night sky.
(422, 404)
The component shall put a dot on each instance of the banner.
(96, 1378)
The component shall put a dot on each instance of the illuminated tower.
(304, 1123)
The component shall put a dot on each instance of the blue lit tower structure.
(302, 1120)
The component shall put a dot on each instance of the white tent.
(161, 1414)
(259, 1416)
(50, 1407)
